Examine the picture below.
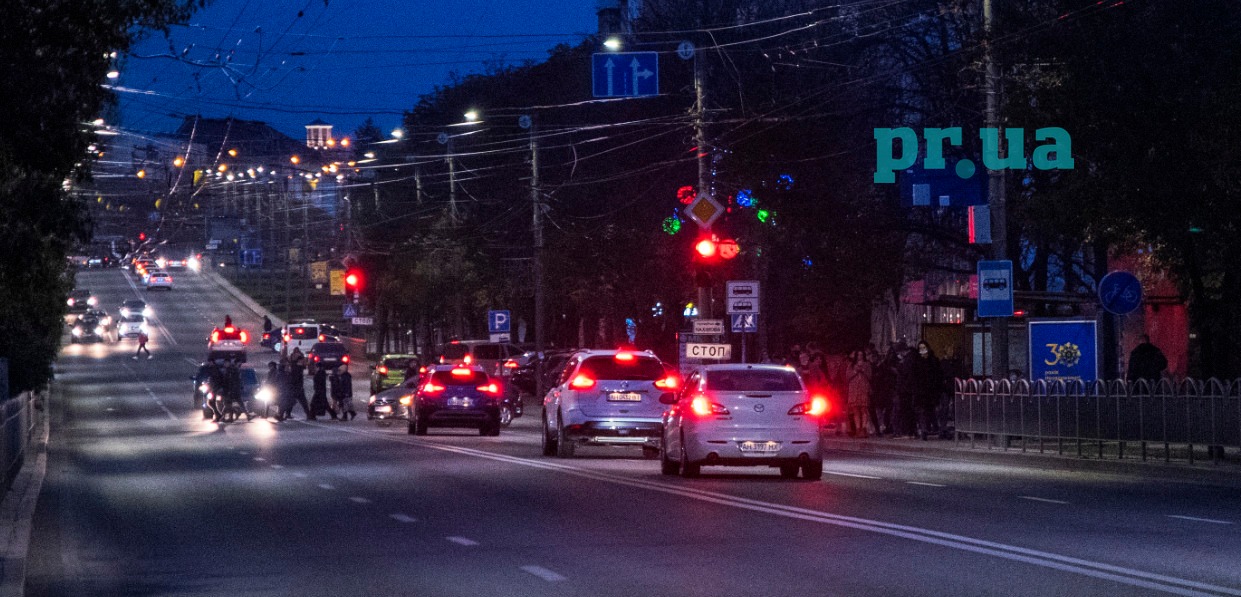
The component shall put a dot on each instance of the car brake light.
(818, 406)
(406, 399)
(316, 358)
(321, 337)
(432, 388)
(299, 331)
(245, 337)
(422, 370)
(704, 407)
(266, 335)
(215, 336)
(623, 356)
(510, 364)
(468, 359)
(344, 359)
(582, 382)
(382, 370)
(461, 372)
(490, 388)
(229, 329)
(668, 383)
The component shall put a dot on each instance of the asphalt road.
(142, 497)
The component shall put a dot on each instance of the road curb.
(245, 299)
(17, 512)
(1227, 475)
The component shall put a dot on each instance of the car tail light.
(316, 358)
(668, 383)
(245, 337)
(510, 364)
(229, 329)
(406, 399)
(267, 335)
(432, 388)
(344, 359)
(582, 382)
(817, 407)
(422, 370)
(624, 356)
(321, 337)
(215, 336)
(490, 389)
(703, 407)
(469, 359)
(382, 370)
(461, 372)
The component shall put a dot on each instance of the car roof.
(134, 302)
(399, 355)
(745, 367)
(595, 352)
(450, 367)
(322, 345)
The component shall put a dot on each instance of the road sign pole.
(743, 335)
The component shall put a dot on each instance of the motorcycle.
(222, 411)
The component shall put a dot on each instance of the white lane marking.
(462, 541)
(402, 518)
(160, 403)
(543, 573)
(277, 466)
(1039, 499)
(925, 484)
(327, 486)
(840, 474)
(359, 500)
(1196, 519)
(192, 361)
(244, 453)
(111, 410)
(1118, 574)
(260, 459)
(302, 475)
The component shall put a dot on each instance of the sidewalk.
(1227, 471)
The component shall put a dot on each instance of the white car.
(744, 415)
(159, 280)
(131, 325)
(299, 335)
(607, 397)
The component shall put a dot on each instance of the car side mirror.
(667, 398)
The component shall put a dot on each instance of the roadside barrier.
(1102, 419)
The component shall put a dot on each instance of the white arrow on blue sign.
(498, 322)
(624, 74)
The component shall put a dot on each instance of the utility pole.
(995, 188)
(452, 183)
(536, 224)
(704, 168)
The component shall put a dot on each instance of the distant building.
(319, 135)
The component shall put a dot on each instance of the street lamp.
(613, 44)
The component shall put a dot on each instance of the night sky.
(288, 62)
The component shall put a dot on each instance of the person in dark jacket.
(232, 388)
(296, 379)
(904, 415)
(318, 399)
(882, 391)
(1147, 361)
(928, 388)
(342, 393)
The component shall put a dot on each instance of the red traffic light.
(142, 236)
(706, 248)
(353, 280)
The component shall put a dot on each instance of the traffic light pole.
(700, 139)
(536, 201)
(995, 188)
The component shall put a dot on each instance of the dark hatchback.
(456, 396)
(329, 354)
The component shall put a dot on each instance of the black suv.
(456, 396)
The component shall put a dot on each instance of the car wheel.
(812, 470)
(506, 415)
(650, 452)
(789, 471)
(564, 446)
(667, 465)
(689, 470)
(550, 445)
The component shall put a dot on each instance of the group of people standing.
(898, 393)
(287, 381)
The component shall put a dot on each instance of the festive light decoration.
(745, 198)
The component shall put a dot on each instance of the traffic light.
(353, 281)
(142, 236)
(708, 249)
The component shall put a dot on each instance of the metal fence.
(1102, 416)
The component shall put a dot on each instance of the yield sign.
(704, 210)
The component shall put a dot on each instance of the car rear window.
(446, 378)
(488, 351)
(638, 369)
(752, 380)
(401, 364)
(453, 352)
(304, 332)
(328, 348)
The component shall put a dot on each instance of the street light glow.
(472, 116)
(113, 74)
(178, 161)
(612, 43)
(398, 133)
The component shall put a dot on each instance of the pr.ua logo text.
(1056, 154)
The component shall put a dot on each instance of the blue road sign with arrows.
(625, 74)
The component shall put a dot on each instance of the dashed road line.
(854, 475)
(300, 474)
(359, 500)
(1039, 499)
(260, 459)
(924, 484)
(1196, 519)
(277, 466)
(462, 541)
(543, 573)
(402, 518)
(327, 486)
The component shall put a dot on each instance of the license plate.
(750, 447)
(458, 401)
(624, 397)
(383, 409)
